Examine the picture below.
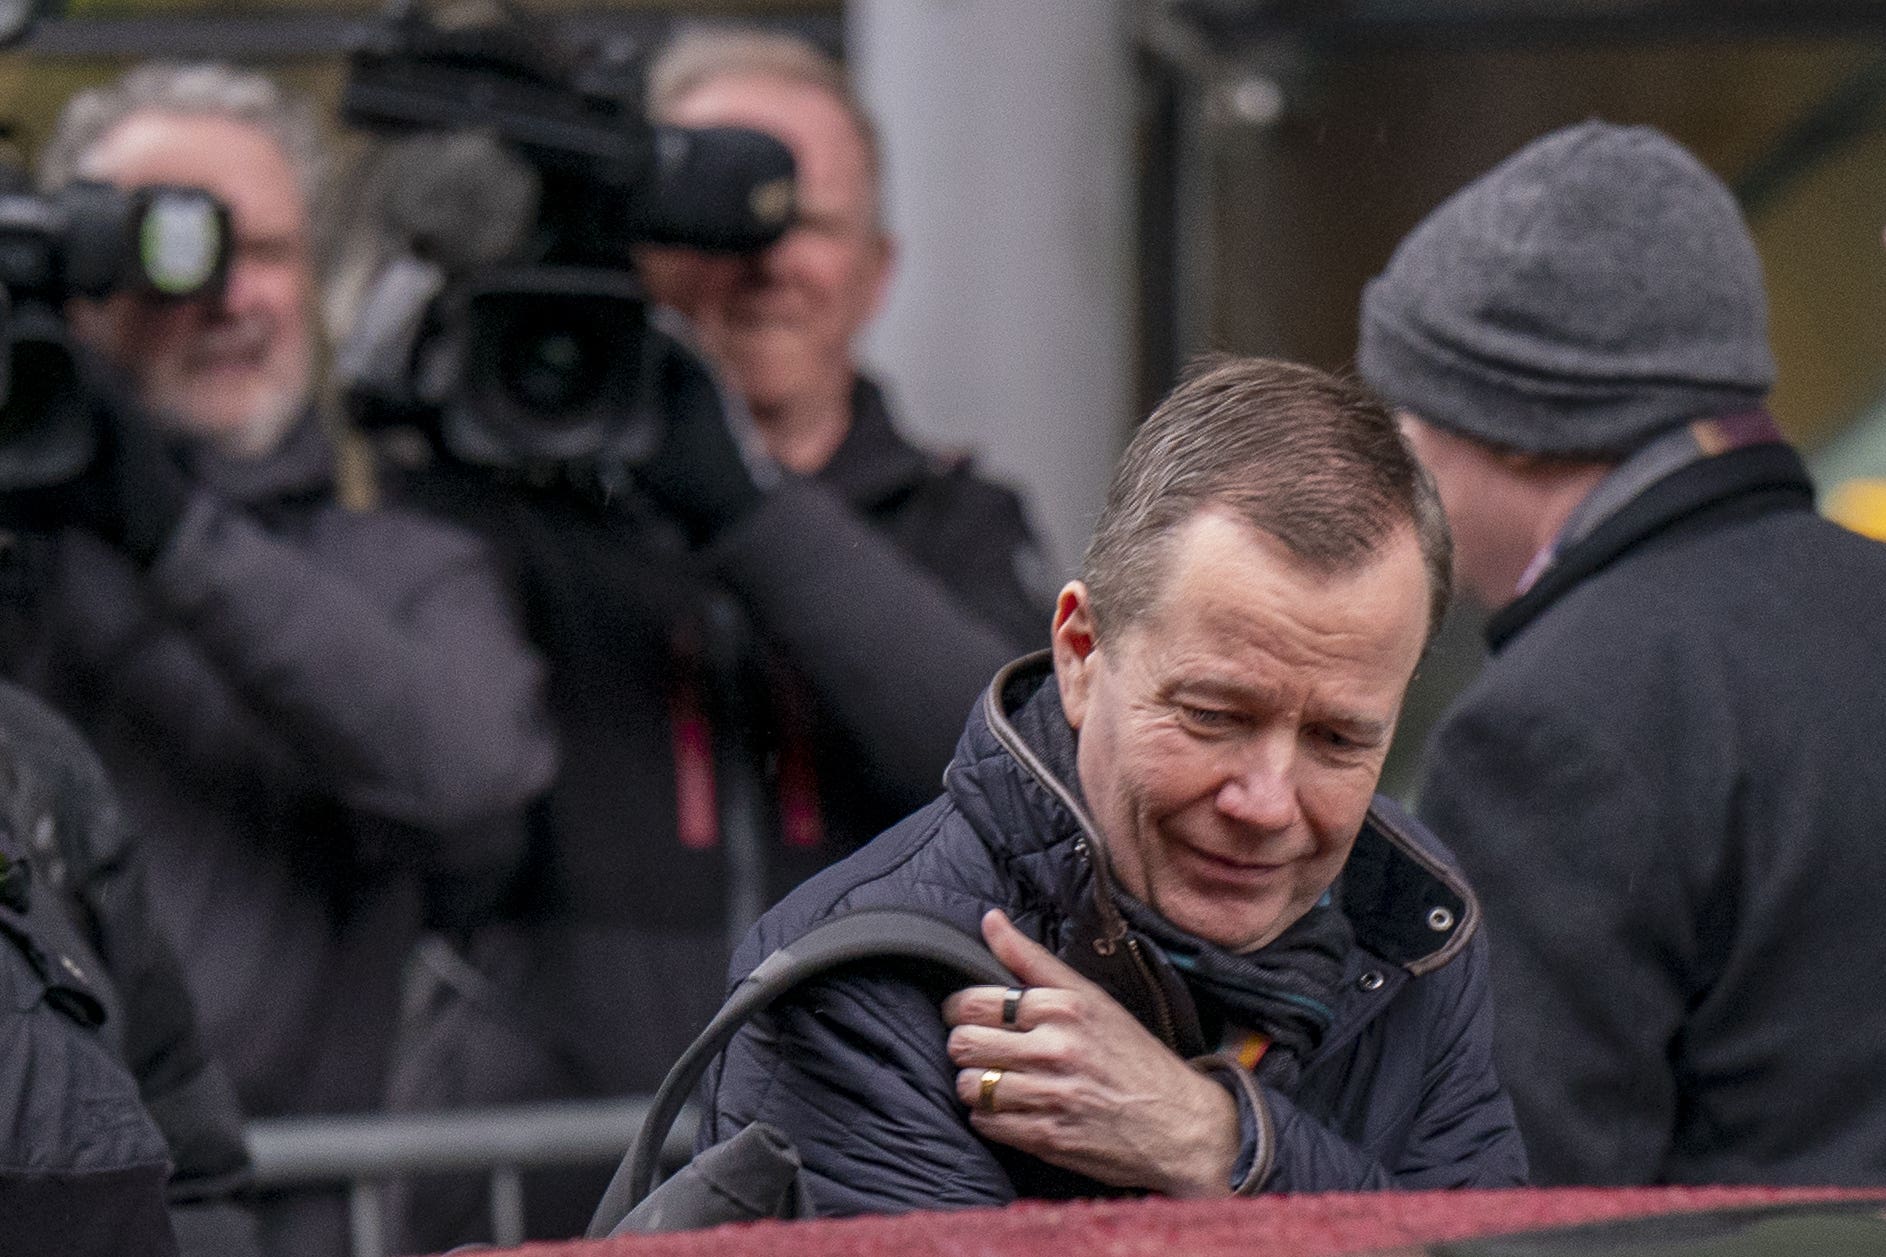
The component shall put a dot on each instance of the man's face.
(236, 368)
(1231, 739)
(781, 321)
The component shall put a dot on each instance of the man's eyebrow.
(1363, 726)
(1224, 688)
(1369, 730)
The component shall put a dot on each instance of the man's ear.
(1074, 645)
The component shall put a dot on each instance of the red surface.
(1275, 1226)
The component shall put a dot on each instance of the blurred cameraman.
(310, 710)
(884, 586)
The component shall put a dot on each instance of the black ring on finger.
(1012, 1005)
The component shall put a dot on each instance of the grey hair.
(699, 54)
(203, 89)
(1313, 460)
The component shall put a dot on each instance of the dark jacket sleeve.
(85, 1168)
(897, 654)
(1462, 1132)
(1569, 824)
(855, 1072)
(415, 697)
(975, 536)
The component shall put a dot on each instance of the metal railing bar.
(366, 1221)
(310, 1150)
(507, 1206)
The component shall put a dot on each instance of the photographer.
(311, 711)
(882, 585)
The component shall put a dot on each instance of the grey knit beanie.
(1593, 290)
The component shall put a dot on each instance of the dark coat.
(83, 1168)
(91, 909)
(877, 598)
(1668, 788)
(306, 710)
(854, 1070)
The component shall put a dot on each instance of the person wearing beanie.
(1666, 781)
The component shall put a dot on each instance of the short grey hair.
(700, 54)
(204, 89)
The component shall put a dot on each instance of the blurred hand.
(1084, 1086)
(697, 473)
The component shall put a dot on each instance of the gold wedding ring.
(985, 1095)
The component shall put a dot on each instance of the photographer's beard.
(238, 382)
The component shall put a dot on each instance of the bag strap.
(873, 934)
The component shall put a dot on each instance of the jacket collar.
(1406, 902)
(1709, 493)
(873, 465)
(301, 466)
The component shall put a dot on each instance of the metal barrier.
(361, 1153)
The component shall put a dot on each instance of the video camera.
(507, 319)
(86, 240)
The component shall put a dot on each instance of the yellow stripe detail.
(1252, 1050)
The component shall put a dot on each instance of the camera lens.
(555, 372)
(551, 366)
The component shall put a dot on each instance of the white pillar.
(1008, 133)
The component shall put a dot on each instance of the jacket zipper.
(1167, 1031)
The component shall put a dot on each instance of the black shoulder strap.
(874, 934)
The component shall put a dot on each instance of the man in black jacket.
(311, 712)
(1666, 783)
(782, 618)
(1241, 974)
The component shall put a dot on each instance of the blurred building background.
(1090, 192)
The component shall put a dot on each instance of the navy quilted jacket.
(1401, 1093)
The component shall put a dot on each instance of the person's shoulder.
(942, 469)
(1616, 631)
(40, 731)
(957, 472)
(1680, 616)
(57, 783)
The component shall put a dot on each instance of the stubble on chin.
(250, 422)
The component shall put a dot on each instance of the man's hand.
(1084, 1086)
(697, 472)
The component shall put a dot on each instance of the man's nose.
(1261, 790)
(777, 258)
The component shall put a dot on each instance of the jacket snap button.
(1440, 920)
(1371, 981)
(42, 834)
